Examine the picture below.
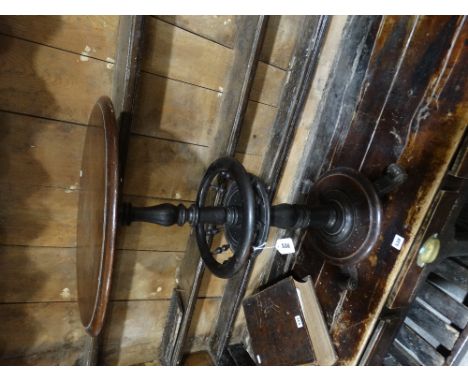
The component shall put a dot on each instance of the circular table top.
(97, 215)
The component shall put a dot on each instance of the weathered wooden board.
(453, 272)
(445, 334)
(38, 215)
(164, 169)
(252, 163)
(47, 82)
(151, 275)
(48, 274)
(37, 151)
(51, 333)
(176, 110)
(280, 37)
(402, 356)
(256, 130)
(151, 237)
(175, 53)
(41, 334)
(93, 36)
(445, 305)
(135, 330)
(424, 353)
(221, 29)
(37, 274)
(182, 112)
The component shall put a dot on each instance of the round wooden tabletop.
(97, 215)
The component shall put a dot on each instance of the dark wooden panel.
(144, 236)
(402, 356)
(453, 272)
(93, 36)
(390, 360)
(448, 307)
(424, 352)
(445, 334)
(172, 52)
(429, 63)
(29, 148)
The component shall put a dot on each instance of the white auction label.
(285, 246)
(299, 323)
(397, 242)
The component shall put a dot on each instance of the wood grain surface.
(97, 216)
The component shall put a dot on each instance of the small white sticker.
(285, 246)
(397, 242)
(299, 323)
(259, 360)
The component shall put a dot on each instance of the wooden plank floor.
(52, 70)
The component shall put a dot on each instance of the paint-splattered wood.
(413, 110)
(30, 148)
(47, 82)
(38, 215)
(93, 36)
(41, 334)
(453, 272)
(221, 29)
(37, 274)
(176, 54)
